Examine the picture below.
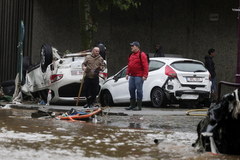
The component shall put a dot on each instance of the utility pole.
(238, 44)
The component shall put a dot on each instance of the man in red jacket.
(137, 70)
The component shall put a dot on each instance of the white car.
(170, 80)
(61, 75)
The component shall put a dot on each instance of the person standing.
(103, 49)
(92, 65)
(137, 73)
(210, 65)
(158, 52)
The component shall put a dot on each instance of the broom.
(80, 89)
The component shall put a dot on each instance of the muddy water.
(113, 137)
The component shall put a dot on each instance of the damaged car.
(219, 131)
(170, 81)
(57, 76)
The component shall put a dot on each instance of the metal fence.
(11, 13)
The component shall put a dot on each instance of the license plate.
(189, 96)
(76, 72)
(194, 79)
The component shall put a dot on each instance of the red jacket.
(136, 66)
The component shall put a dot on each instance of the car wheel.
(158, 97)
(46, 57)
(8, 87)
(106, 98)
(26, 64)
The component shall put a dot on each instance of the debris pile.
(219, 131)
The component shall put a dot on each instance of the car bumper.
(190, 95)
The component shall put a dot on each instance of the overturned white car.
(60, 75)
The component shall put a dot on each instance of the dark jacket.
(159, 53)
(210, 65)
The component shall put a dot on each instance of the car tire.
(8, 87)
(106, 98)
(46, 57)
(158, 97)
(8, 83)
(26, 65)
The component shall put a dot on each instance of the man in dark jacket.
(158, 52)
(210, 65)
(138, 72)
(103, 49)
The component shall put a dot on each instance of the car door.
(119, 88)
(156, 78)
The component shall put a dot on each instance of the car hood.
(109, 78)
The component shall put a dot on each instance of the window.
(189, 66)
(122, 73)
(155, 65)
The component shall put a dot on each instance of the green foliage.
(121, 4)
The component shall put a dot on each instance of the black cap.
(135, 43)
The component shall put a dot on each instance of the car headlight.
(56, 77)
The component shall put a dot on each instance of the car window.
(189, 66)
(155, 65)
(122, 73)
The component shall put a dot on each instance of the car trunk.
(191, 72)
(192, 78)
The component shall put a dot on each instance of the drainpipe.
(238, 46)
(21, 32)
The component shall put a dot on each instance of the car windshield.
(189, 66)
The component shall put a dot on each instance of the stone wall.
(55, 22)
(187, 28)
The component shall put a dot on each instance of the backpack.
(140, 57)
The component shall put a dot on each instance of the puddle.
(117, 137)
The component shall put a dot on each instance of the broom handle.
(80, 89)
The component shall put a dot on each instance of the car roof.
(170, 60)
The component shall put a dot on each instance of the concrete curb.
(116, 110)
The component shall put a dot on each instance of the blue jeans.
(136, 83)
(214, 85)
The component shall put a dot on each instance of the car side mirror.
(115, 78)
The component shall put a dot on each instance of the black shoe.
(130, 108)
(86, 106)
(137, 109)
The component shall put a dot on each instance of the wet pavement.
(118, 134)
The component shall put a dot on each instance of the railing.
(227, 84)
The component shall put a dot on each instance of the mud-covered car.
(61, 75)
